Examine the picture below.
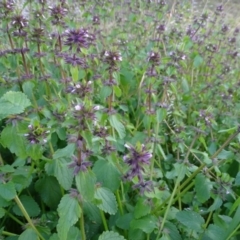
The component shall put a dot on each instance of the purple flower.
(144, 186)
(136, 159)
(78, 38)
(79, 164)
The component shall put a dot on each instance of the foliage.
(118, 120)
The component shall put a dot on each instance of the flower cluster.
(79, 38)
(111, 58)
(58, 13)
(80, 163)
(137, 159)
(36, 134)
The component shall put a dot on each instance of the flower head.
(136, 159)
(80, 164)
(79, 38)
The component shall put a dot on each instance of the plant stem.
(104, 220)
(83, 234)
(169, 204)
(119, 202)
(24, 212)
(8, 233)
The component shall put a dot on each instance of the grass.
(119, 121)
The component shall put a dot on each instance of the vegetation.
(118, 120)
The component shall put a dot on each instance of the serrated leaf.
(117, 125)
(203, 187)
(108, 201)
(147, 224)
(21, 181)
(28, 234)
(13, 103)
(59, 168)
(13, 141)
(142, 208)
(49, 190)
(85, 181)
(34, 151)
(7, 190)
(69, 211)
(124, 221)
(29, 204)
(191, 220)
(2, 212)
(107, 174)
(92, 212)
(110, 235)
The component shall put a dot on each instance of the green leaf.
(215, 232)
(64, 152)
(34, 151)
(191, 220)
(13, 141)
(142, 208)
(124, 221)
(161, 114)
(7, 190)
(147, 224)
(117, 125)
(54, 237)
(21, 181)
(198, 60)
(4, 202)
(69, 212)
(108, 201)
(234, 224)
(13, 103)
(237, 180)
(107, 174)
(117, 91)
(49, 190)
(203, 187)
(28, 87)
(85, 182)
(110, 235)
(74, 73)
(92, 211)
(28, 234)
(216, 204)
(29, 204)
(59, 168)
(172, 231)
(234, 206)
(105, 92)
(2, 212)
(7, 169)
